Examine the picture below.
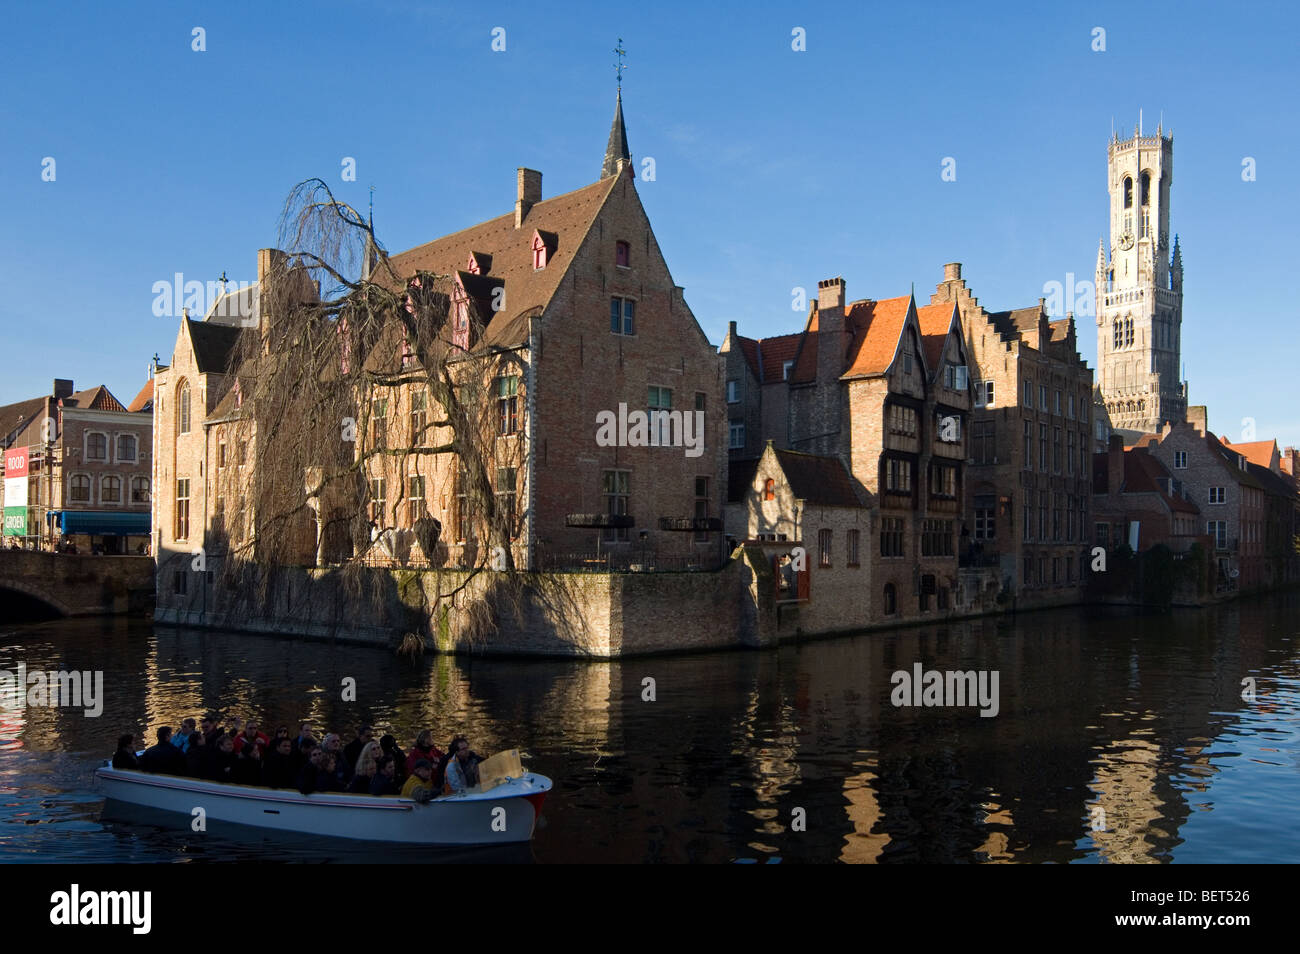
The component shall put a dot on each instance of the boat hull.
(506, 814)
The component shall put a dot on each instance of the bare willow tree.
(342, 339)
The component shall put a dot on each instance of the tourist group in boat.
(247, 756)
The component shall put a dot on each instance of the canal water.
(1119, 737)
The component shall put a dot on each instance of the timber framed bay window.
(622, 316)
(943, 481)
(898, 475)
(901, 420)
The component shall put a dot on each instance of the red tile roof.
(876, 327)
(936, 321)
(97, 398)
(143, 399)
(1257, 452)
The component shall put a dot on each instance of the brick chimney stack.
(62, 388)
(528, 193)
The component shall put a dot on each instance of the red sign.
(16, 462)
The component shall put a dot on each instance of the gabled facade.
(884, 388)
(1029, 469)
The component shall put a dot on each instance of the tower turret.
(1139, 289)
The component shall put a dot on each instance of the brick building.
(1232, 499)
(1137, 502)
(571, 313)
(882, 387)
(1029, 472)
(77, 469)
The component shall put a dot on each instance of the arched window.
(126, 446)
(769, 489)
(1146, 188)
(891, 600)
(111, 490)
(183, 408)
(1128, 192)
(1128, 331)
(79, 489)
(1119, 334)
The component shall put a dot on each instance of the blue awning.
(106, 523)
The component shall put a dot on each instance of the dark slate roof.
(12, 414)
(1282, 485)
(617, 148)
(740, 478)
(823, 481)
(213, 345)
(1012, 324)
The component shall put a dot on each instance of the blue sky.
(774, 168)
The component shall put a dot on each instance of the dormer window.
(543, 248)
(622, 254)
(785, 369)
(480, 263)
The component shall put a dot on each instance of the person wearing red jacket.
(423, 749)
(250, 735)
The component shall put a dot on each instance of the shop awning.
(105, 523)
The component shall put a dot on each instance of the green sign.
(15, 522)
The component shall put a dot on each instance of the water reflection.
(1119, 739)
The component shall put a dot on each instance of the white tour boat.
(503, 809)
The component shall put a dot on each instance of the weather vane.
(620, 68)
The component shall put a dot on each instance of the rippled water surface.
(1120, 738)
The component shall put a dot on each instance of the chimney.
(62, 388)
(1115, 464)
(830, 295)
(731, 331)
(952, 272)
(1197, 416)
(528, 193)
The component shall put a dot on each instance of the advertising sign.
(16, 471)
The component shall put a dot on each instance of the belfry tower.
(1140, 290)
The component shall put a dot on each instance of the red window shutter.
(805, 578)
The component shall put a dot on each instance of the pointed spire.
(1101, 254)
(617, 150)
(372, 252)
